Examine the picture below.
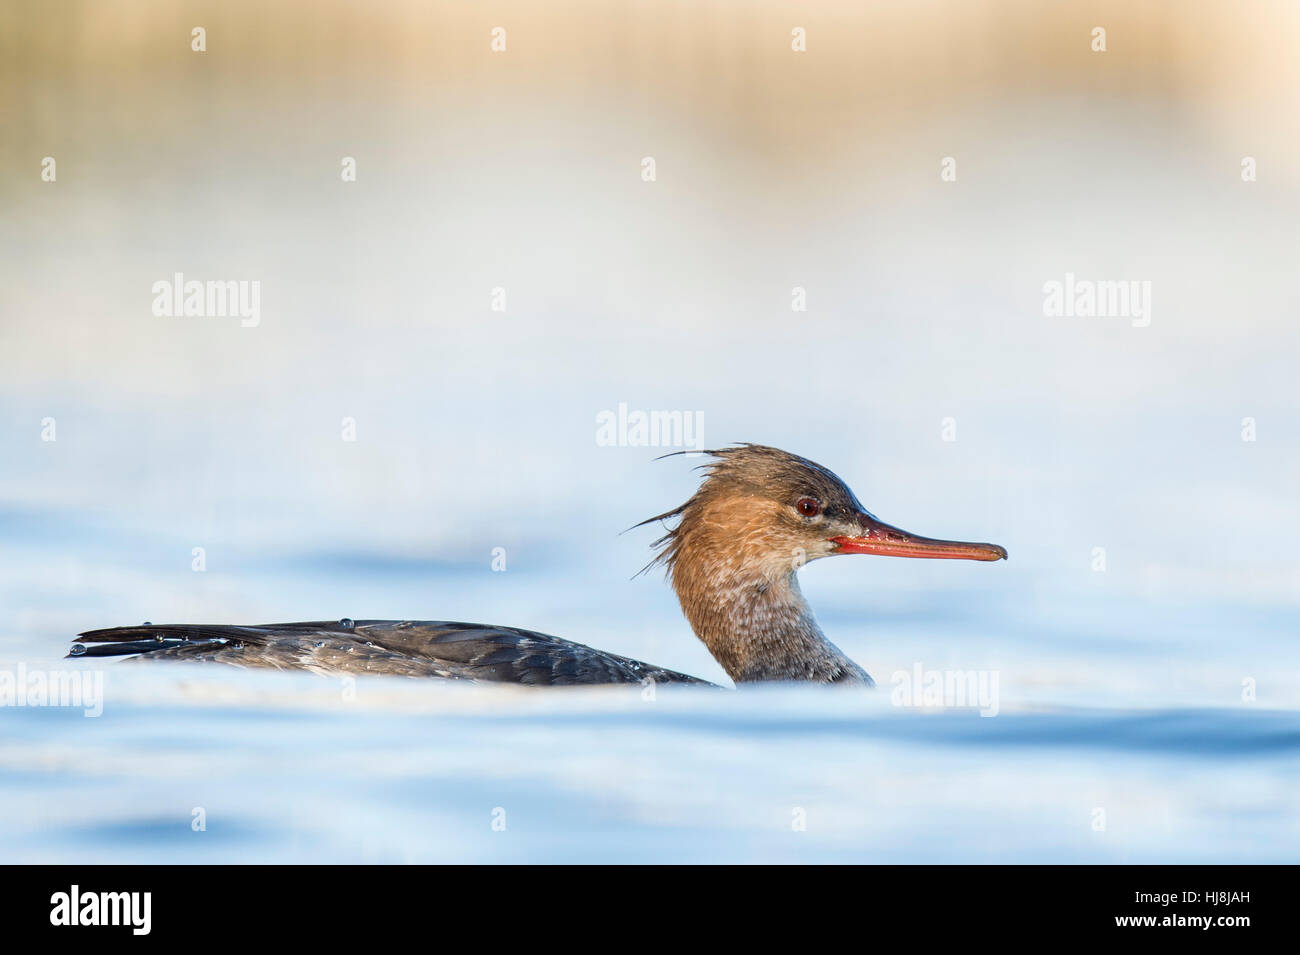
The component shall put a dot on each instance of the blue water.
(1131, 744)
(283, 772)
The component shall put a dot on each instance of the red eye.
(809, 507)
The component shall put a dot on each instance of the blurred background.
(924, 369)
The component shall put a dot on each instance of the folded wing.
(417, 648)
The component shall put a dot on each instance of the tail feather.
(151, 638)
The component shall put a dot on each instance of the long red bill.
(888, 541)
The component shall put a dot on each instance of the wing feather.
(417, 648)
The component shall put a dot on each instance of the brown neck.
(753, 618)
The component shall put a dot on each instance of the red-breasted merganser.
(758, 516)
